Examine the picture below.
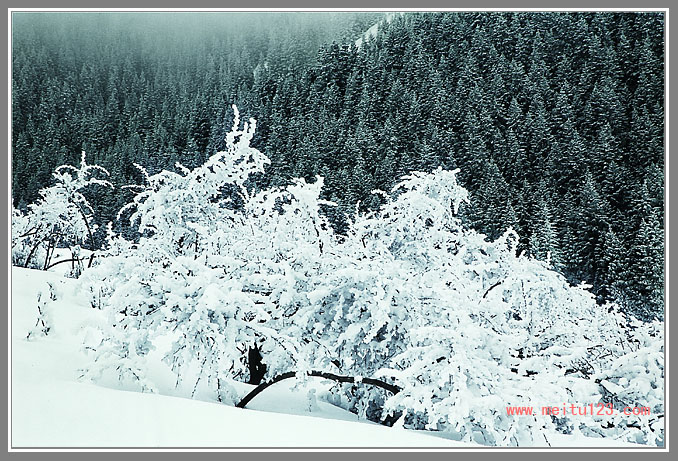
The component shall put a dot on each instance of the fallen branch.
(493, 286)
(320, 374)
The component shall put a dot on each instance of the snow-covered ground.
(51, 407)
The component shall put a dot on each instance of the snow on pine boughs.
(409, 295)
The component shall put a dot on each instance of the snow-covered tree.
(62, 217)
(463, 325)
(218, 268)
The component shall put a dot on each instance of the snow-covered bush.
(21, 244)
(43, 323)
(463, 325)
(216, 270)
(633, 382)
(183, 209)
(61, 218)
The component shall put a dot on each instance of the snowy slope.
(52, 408)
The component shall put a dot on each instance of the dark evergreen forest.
(556, 120)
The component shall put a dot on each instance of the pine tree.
(591, 224)
(543, 237)
(494, 212)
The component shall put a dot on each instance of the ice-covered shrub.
(21, 244)
(61, 218)
(632, 380)
(464, 325)
(217, 269)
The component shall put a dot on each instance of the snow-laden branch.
(61, 217)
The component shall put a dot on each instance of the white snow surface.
(52, 408)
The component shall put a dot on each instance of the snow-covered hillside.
(51, 407)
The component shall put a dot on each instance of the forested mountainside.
(556, 120)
